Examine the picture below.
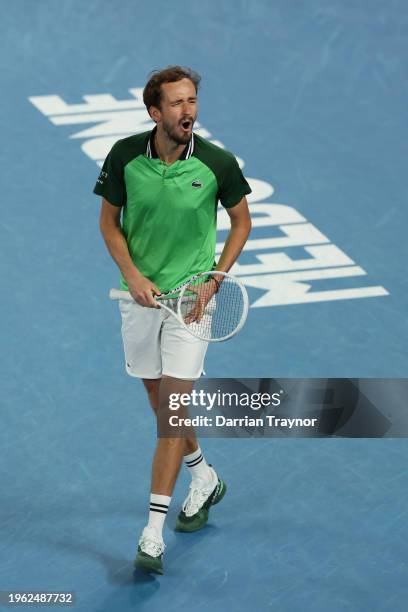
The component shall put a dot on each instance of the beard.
(175, 133)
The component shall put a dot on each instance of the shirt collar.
(151, 149)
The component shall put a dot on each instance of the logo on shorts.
(197, 184)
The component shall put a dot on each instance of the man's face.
(178, 110)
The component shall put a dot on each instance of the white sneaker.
(150, 551)
(200, 491)
(196, 506)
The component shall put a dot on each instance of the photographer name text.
(222, 421)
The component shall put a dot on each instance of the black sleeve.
(111, 183)
(232, 184)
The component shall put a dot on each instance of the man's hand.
(142, 290)
(204, 292)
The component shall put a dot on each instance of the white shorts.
(156, 344)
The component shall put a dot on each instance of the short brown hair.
(171, 74)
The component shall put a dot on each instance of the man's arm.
(141, 288)
(237, 237)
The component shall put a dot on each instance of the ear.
(155, 114)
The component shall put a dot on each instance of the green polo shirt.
(170, 211)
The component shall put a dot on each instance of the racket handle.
(117, 294)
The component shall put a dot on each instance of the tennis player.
(160, 191)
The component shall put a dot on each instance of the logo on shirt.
(197, 184)
(102, 176)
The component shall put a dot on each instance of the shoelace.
(197, 496)
(151, 547)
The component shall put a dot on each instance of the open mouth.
(186, 125)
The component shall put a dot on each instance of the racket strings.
(213, 316)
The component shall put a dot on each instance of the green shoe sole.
(147, 563)
(198, 520)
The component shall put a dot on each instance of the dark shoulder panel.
(211, 155)
(111, 181)
(132, 146)
(232, 185)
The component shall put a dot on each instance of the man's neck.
(168, 150)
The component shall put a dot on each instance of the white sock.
(197, 465)
(159, 504)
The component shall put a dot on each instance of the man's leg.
(169, 451)
(165, 469)
(206, 488)
(166, 465)
(192, 454)
(152, 386)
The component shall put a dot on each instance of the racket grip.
(117, 294)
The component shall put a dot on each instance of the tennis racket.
(206, 314)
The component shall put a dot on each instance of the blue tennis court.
(312, 99)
